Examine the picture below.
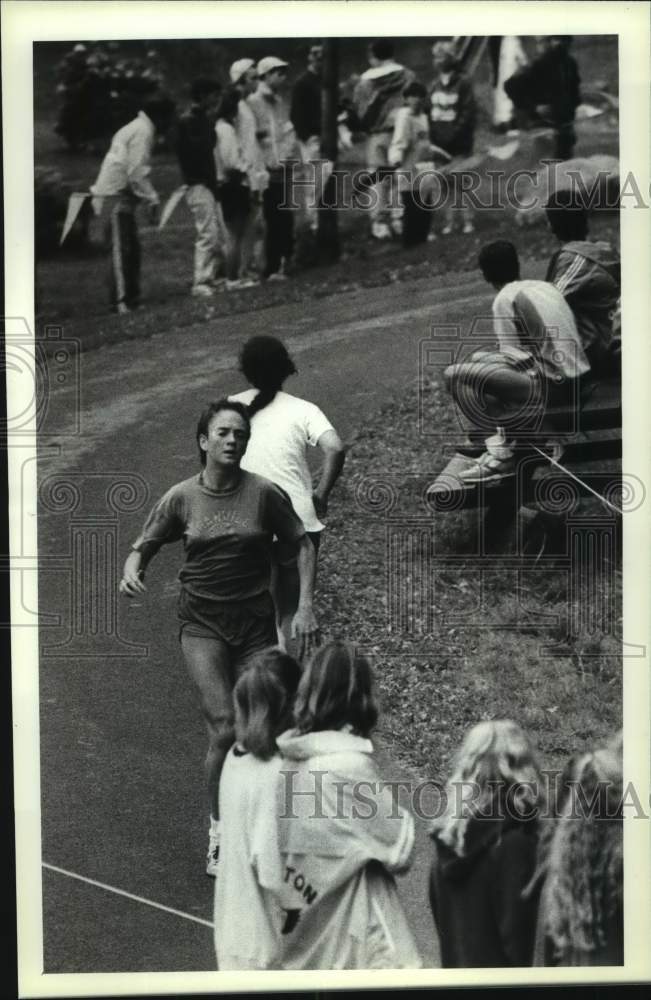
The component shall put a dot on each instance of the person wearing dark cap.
(195, 140)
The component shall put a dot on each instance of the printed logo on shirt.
(220, 523)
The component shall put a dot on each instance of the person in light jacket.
(248, 919)
(341, 834)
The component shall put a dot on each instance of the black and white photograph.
(326, 347)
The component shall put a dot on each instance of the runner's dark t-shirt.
(227, 534)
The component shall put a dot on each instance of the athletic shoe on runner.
(212, 858)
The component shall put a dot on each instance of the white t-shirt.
(280, 434)
(248, 918)
(549, 323)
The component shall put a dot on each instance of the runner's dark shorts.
(246, 627)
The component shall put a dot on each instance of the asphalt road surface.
(122, 741)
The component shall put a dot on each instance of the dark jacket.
(195, 142)
(587, 273)
(452, 114)
(477, 905)
(305, 110)
(551, 80)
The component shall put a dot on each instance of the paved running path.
(122, 740)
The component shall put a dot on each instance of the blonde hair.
(264, 697)
(336, 690)
(495, 774)
(583, 889)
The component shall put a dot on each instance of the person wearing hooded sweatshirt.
(376, 99)
(588, 275)
(341, 833)
(247, 918)
(485, 844)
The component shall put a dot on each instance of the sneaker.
(487, 469)
(396, 227)
(468, 228)
(122, 309)
(237, 283)
(212, 858)
(471, 449)
(277, 276)
(380, 231)
(202, 292)
(431, 236)
(447, 230)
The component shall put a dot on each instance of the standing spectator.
(411, 152)
(248, 920)
(306, 118)
(587, 273)
(233, 183)
(340, 828)
(485, 851)
(277, 139)
(452, 124)
(194, 146)
(124, 180)
(377, 97)
(507, 57)
(548, 89)
(244, 78)
(283, 427)
(581, 918)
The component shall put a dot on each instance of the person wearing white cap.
(244, 79)
(277, 138)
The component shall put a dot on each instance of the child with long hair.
(248, 919)
(341, 832)
(581, 905)
(485, 851)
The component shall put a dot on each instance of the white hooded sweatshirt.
(341, 833)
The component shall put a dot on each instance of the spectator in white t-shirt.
(282, 428)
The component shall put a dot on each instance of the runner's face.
(226, 440)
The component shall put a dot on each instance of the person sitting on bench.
(539, 362)
(587, 273)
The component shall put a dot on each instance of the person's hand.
(306, 632)
(131, 583)
(320, 505)
(153, 211)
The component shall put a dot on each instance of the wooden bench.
(591, 445)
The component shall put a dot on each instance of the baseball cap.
(239, 68)
(270, 62)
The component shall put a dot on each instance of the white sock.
(214, 828)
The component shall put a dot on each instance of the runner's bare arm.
(134, 569)
(334, 456)
(305, 627)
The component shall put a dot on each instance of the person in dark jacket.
(452, 115)
(485, 851)
(588, 274)
(195, 141)
(548, 90)
(305, 114)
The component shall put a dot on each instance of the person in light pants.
(194, 147)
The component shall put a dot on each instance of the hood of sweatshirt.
(302, 746)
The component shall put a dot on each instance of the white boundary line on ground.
(127, 895)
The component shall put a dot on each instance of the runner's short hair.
(499, 262)
(212, 410)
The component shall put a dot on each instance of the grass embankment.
(417, 609)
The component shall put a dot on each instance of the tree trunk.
(328, 236)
